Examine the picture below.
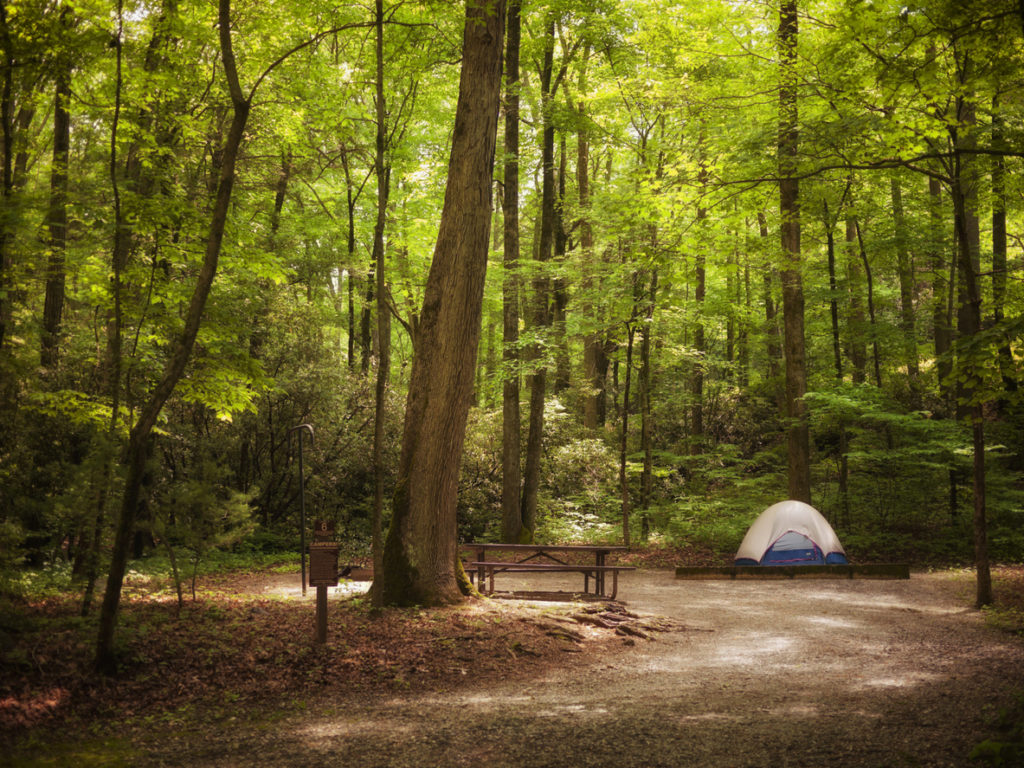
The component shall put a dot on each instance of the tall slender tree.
(57, 223)
(798, 437)
(541, 319)
(382, 171)
(511, 472)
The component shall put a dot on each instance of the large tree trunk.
(541, 312)
(773, 345)
(7, 186)
(420, 552)
(141, 432)
(699, 342)
(366, 323)
(383, 174)
(624, 435)
(798, 438)
(592, 344)
(511, 473)
(699, 293)
(743, 340)
(352, 194)
(876, 355)
(906, 275)
(964, 190)
(856, 321)
(999, 256)
(939, 263)
(833, 287)
(560, 286)
(53, 306)
(646, 427)
(970, 324)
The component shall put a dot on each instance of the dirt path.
(791, 673)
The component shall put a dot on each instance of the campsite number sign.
(323, 571)
(323, 555)
(323, 564)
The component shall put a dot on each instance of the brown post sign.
(323, 564)
(323, 571)
(323, 530)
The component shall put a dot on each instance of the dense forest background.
(641, 291)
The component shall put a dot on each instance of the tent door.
(792, 548)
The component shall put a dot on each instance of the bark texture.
(53, 307)
(964, 191)
(542, 290)
(420, 552)
(792, 281)
(383, 173)
(511, 441)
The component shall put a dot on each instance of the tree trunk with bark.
(856, 321)
(57, 221)
(646, 427)
(773, 345)
(141, 432)
(511, 438)
(1007, 366)
(541, 288)
(939, 263)
(743, 338)
(873, 326)
(964, 190)
(699, 341)
(366, 323)
(624, 435)
(383, 173)
(833, 287)
(560, 286)
(592, 343)
(798, 438)
(421, 549)
(905, 268)
(7, 189)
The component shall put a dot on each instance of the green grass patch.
(40, 750)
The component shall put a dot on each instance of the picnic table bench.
(547, 558)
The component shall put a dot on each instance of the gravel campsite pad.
(755, 673)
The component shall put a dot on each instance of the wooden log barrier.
(740, 572)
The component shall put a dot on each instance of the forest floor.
(714, 673)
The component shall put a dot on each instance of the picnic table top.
(548, 547)
(534, 566)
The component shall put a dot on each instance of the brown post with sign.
(323, 571)
(321, 614)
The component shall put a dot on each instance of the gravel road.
(767, 673)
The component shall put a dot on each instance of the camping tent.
(790, 533)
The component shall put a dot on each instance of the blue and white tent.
(790, 533)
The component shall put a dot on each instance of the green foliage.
(1009, 618)
(682, 150)
(49, 581)
(200, 514)
(12, 537)
(583, 476)
(1008, 748)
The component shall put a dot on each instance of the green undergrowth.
(42, 752)
(1007, 610)
(1006, 747)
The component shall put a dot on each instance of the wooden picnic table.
(547, 558)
